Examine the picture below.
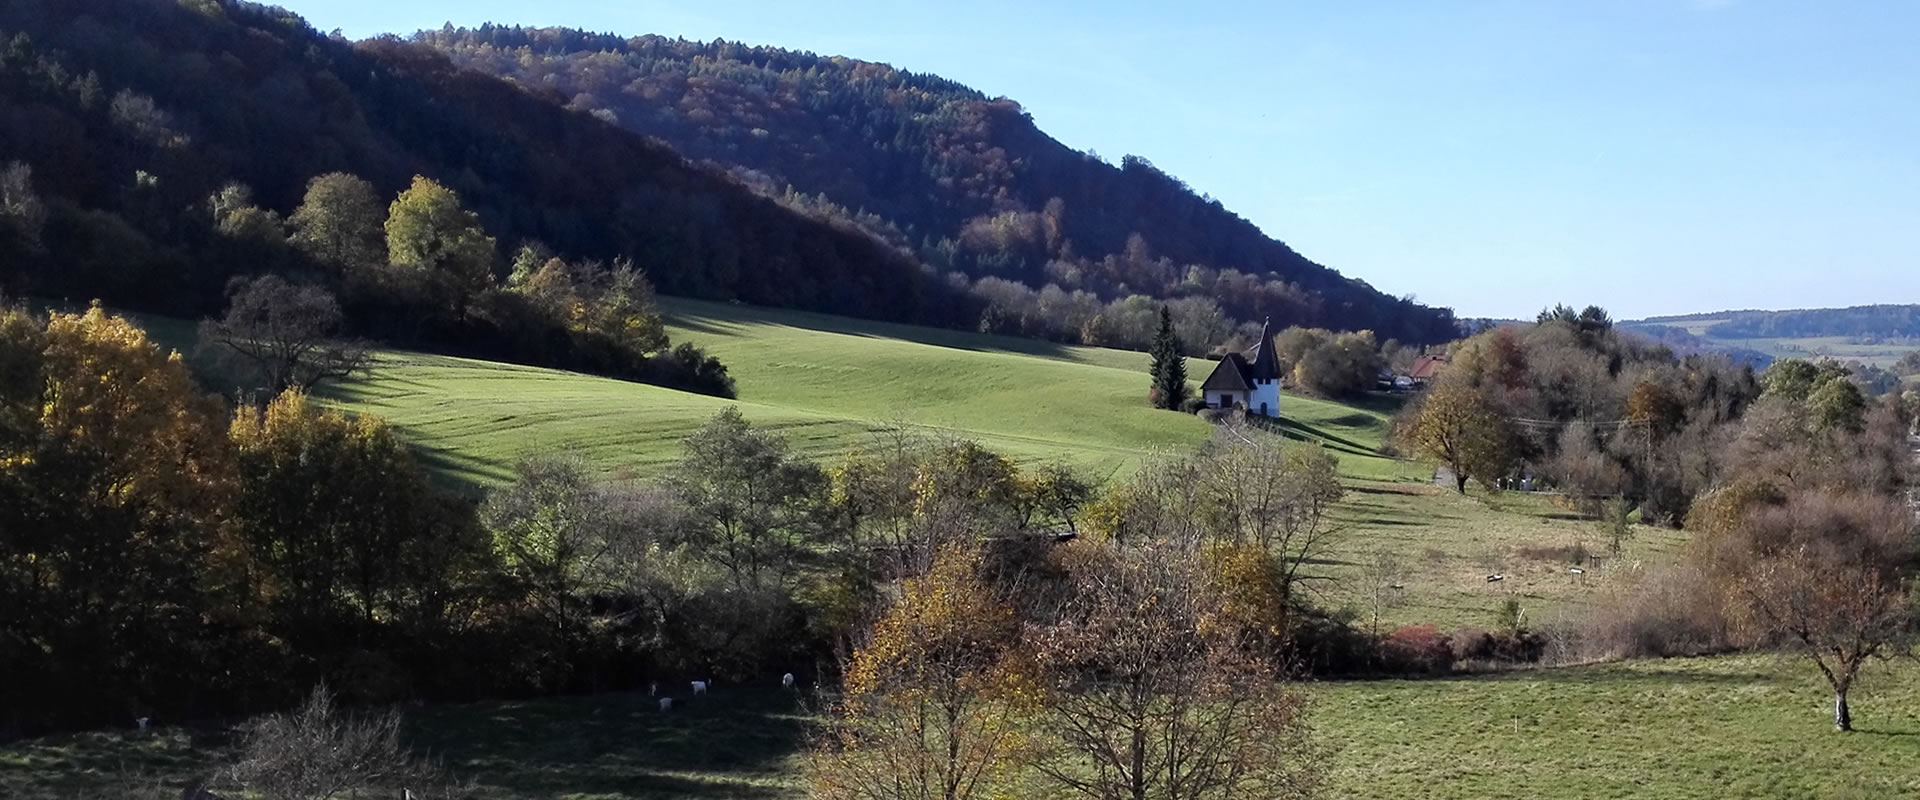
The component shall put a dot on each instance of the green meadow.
(830, 385)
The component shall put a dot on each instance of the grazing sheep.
(666, 704)
(699, 687)
(1496, 577)
(787, 680)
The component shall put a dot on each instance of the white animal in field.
(653, 689)
(666, 704)
(1496, 577)
(787, 680)
(699, 687)
(1576, 571)
(142, 722)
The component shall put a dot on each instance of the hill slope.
(928, 163)
(829, 384)
(131, 114)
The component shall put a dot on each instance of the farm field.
(1815, 347)
(1730, 727)
(829, 384)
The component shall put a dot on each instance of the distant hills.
(965, 182)
(770, 177)
(1876, 323)
(1875, 334)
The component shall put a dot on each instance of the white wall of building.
(1268, 392)
(1218, 399)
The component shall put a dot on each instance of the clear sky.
(1651, 156)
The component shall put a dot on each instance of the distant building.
(1426, 369)
(1251, 381)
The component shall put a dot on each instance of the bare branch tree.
(286, 332)
(1825, 574)
(1150, 693)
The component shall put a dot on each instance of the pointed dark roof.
(1230, 375)
(1266, 365)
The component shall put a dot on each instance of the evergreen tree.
(1169, 368)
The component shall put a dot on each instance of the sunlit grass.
(828, 384)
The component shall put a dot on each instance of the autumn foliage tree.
(937, 698)
(1454, 425)
(338, 515)
(118, 569)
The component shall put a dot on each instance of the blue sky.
(1651, 156)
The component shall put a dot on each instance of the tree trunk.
(1842, 717)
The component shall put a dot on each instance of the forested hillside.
(1877, 323)
(1049, 236)
(126, 121)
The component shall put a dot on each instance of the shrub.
(1331, 646)
(1504, 647)
(1417, 648)
(319, 751)
(1669, 612)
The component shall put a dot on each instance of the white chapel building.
(1251, 382)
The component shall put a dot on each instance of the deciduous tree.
(936, 698)
(337, 512)
(1150, 692)
(285, 333)
(1827, 574)
(1454, 426)
(339, 223)
(750, 506)
(432, 238)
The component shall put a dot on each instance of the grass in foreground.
(1735, 727)
(1740, 727)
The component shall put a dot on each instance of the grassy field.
(829, 384)
(1742, 727)
(1447, 545)
(1736, 727)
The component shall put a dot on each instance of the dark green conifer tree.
(1169, 368)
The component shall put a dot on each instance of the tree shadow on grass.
(1296, 430)
(731, 744)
